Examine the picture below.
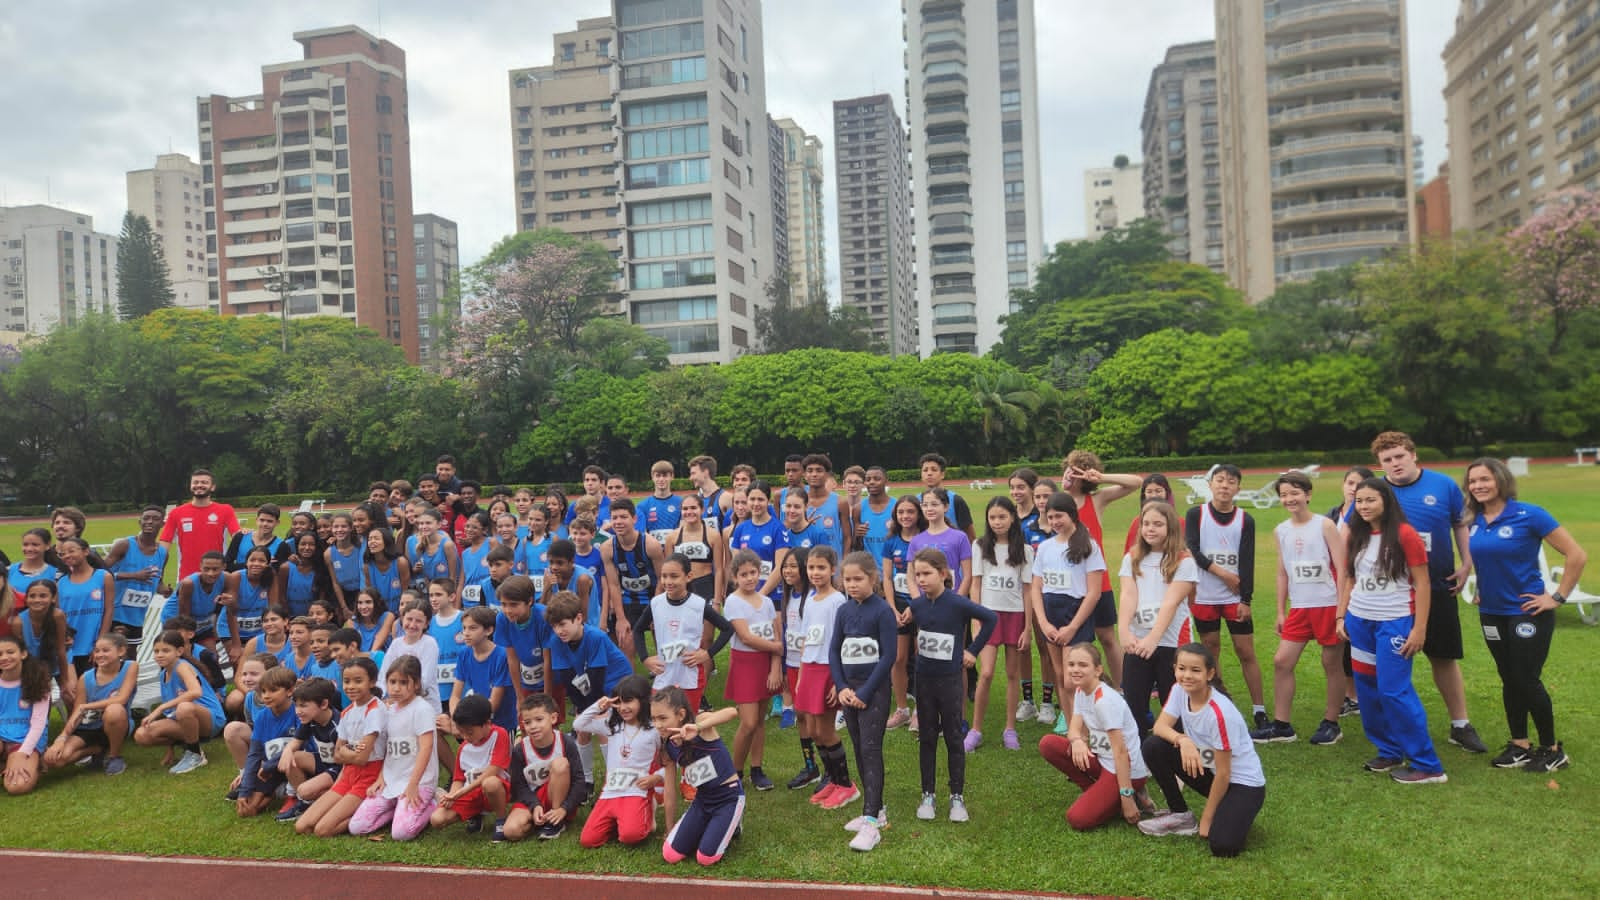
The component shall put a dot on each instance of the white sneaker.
(188, 763)
(855, 825)
(1026, 711)
(867, 838)
(925, 810)
(1047, 714)
(1172, 823)
(958, 808)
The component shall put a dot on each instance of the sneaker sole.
(1277, 739)
(1440, 778)
(840, 803)
(1328, 743)
(1380, 769)
(1516, 764)
(1483, 749)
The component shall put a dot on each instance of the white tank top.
(1304, 551)
(678, 629)
(1220, 543)
(536, 768)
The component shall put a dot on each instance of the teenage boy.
(1309, 553)
(1222, 539)
(307, 760)
(322, 664)
(1433, 505)
(264, 535)
(564, 574)
(825, 507)
(794, 474)
(547, 776)
(465, 505)
(521, 629)
(502, 563)
(594, 483)
(872, 516)
(197, 596)
(136, 563)
(201, 526)
(632, 560)
(717, 504)
(659, 512)
(958, 513)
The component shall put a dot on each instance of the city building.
(877, 259)
(169, 195)
(563, 127)
(779, 178)
(1316, 139)
(54, 268)
(1182, 153)
(697, 172)
(1433, 207)
(1113, 196)
(807, 239)
(972, 101)
(1521, 85)
(307, 188)
(438, 273)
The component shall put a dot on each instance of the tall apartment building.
(1316, 139)
(877, 258)
(1113, 196)
(972, 103)
(54, 268)
(779, 178)
(169, 195)
(564, 141)
(307, 188)
(807, 240)
(1521, 85)
(697, 186)
(438, 272)
(1182, 152)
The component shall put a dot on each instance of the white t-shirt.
(406, 725)
(1107, 711)
(1152, 590)
(630, 752)
(426, 650)
(761, 619)
(474, 758)
(1218, 726)
(1308, 563)
(816, 623)
(1058, 576)
(360, 721)
(1373, 595)
(1001, 586)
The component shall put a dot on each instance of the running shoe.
(116, 765)
(854, 825)
(498, 836)
(292, 810)
(705, 702)
(1380, 764)
(188, 763)
(552, 831)
(867, 838)
(1408, 775)
(1026, 711)
(474, 824)
(93, 761)
(777, 705)
(759, 780)
(1513, 757)
(787, 718)
(841, 796)
(1273, 733)
(958, 808)
(911, 726)
(1009, 739)
(972, 741)
(1170, 824)
(1349, 708)
(1261, 718)
(1327, 734)
(1047, 713)
(1466, 737)
(898, 719)
(827, 790)
(1550, 759)
(807, 775)
(1061, 724)
(926, 810)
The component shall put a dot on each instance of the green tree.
(1303, 320)
(1007, 401)
(143, 283)
(792, 323)
(1096, 268)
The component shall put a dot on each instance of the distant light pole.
(277, 284)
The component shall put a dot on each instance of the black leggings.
(939, 707)
(866, 727)
(1520, 644)
(1239, 807)
(1139, 675)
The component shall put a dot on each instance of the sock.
(1258, 708)
(586, 756)
(1458, 723)
(291, 792)
(838, 764)
(1049, 694)
(192, 748)
(757, 770)
(1027, 690)
(808, 751)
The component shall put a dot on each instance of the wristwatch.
(1126, 792)
(1559, 598)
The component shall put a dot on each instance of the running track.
(44, 873)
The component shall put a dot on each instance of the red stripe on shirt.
(1222, 725)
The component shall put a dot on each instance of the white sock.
(586, 756)
(1258, 708)
(1458, 723)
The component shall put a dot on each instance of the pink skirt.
(747, 676)
(811, 695)
(1008, 630)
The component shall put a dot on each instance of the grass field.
(1327, 828)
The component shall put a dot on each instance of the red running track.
(44, 873)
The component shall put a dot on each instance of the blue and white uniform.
(134, 597)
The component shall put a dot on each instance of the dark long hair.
(1079, 544)
(631, 687)
(1391, 560)
(1016, 544)
(35, 674)
(49, 649)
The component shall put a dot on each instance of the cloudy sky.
(93, 88)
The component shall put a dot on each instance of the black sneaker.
(499, 836)
(289, 814)
(1262, 720)
(1380, 764)
(233, 794)
(1327, 733)
(1513, 757)
(1408, 775)
(474, 824)
(1274, 733)
(705, 704)
(552, 831)
(808, 775)
(760, 781)
(1349, 708)
(1466, 737)
(1549, 759)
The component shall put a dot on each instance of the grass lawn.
(1327, 828)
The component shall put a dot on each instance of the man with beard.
(201, 526)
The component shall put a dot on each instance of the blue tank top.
(829, 521)
(533, 557)
(593, 614)
(285, 655)
(133, 597)
(249, 607)
(346, 568)
(30, 639)
(712, 510)
(172, 686)
(636, 574)
(897, 550)
(427, 566)
(16, 716)
(877, 527)
(445, 637)
(369, 633)
(94, 692)
(300, 588)
(475, 574)
(247, 542)
(202, 604)
(83, 604)
(592, 560)
(20, 580)
(386, 581)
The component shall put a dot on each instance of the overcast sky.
(93, 88)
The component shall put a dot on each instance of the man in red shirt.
(200, 525)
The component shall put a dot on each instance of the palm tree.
(1006, 401)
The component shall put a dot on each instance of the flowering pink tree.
(1556, 260)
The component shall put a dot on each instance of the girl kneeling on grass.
(1213, 755)
(101, 722)
(1100, 752)
(625, 809)
(693, 748)
(189, 713)
(359, 752)
(24, 714)
(402, 797)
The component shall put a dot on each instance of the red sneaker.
(841, 797)
(827, 791)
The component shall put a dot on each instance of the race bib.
(250, 623)
(325, 752)
(902, 584)
(1227, 560)
(696, 551)
(622, 779)
(447, 673)
(1099, 743)
(635, 585)
(1145, 616)
(580, 684)
(795, 641)
(1427, 540)
(1208, 758)
(1057, 581)
(700, 772)
(400, 747)
(137, 599)
(671, 653)
(762, 630)
(660, 534)
(1373, 585)
(1308, 573)
(999, 581)
(857, 651)
(814, 636)
(936, 646)
(275, 747)
(766, 569)
(533, 674)
(536, 774)
(470, 775)
(472, 593)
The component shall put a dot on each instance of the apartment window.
(649, 12)
(669, 40)
(1531, 90)
(675, 141)
(1008, 40)
(688, 338)
(569, 51)
(1014, 191)
(663, 111)
(602, 48)
(1011, 70)
(673, 242)
(385, 104)
(1530, 61)
(675, 273)
(690, 309)
(1010, 101)
(1016, 251)
(1536, 149)
(338, 95)
(1536, 180)
(661, 212)
(669, 71)
(1535, 119)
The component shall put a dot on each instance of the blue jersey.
(19, 580)
(202, 604)
(591, 560)
(482, 676)
(809, 536)
(474, 572)
(829, 518)
(249, 606)
(172, 686)
(30, 639)
(386, 581)
(16, 717)
(877, 526)
(1505, 554)
(533, 557)
(346, 568)
(711, 509)
(897, 550)
(1433, 505)
(94, 692)
(554, 584)
(247, 542)
(762, 540)
(658, 516)
(1030, 529)
(134, 597)
(589, 666)
(602, 516)
(448, 636)
(272, 731)
(369, 633)
(527, 640)
(636, 573)
(83, 604)
(427, 566)
(300, 588)
(331, 670)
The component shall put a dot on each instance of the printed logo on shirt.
(1526, 630)
(1430, 500)
(1504, 531)
(766, 540)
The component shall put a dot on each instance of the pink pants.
(376, 812)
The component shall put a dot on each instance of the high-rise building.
(169, 195)
(1182, 153)
(877, 258)
(778, 176)
(438, 273)
(563, 127)
(1520, 95)
(972, 101)
(1113, 196)
(802, 154)
(54, 268)
(1433, 207)
(697, 189)
(307, 188)
(1316, 137)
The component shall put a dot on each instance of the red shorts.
(747, 676)
(353, 781)
(811, 696)
(1314, 623)
(543, 793)
(791, 677)
(1208, 619)
(472, 804)
(1008, 630)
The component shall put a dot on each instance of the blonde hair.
(1171, 549)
